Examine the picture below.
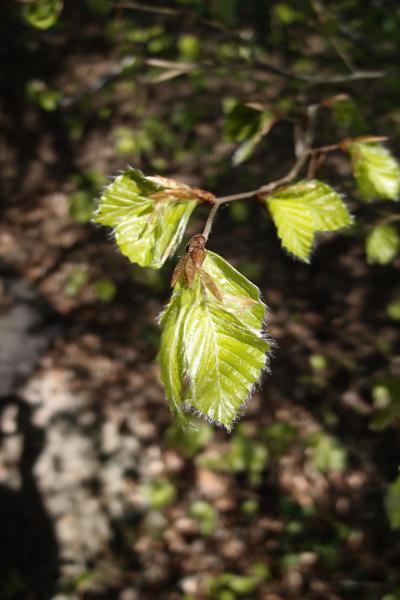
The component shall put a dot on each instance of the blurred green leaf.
(76, 280)
(245, 455)
(42, 14)
(101, 7)
(382, 244)
(302, 209)
(188, 441)
(248, 124)
(82, 206)
(393, 310)
(279, 437)
(239, 211)
(160, 493)
(206, 514)
(105, 289)
(239, 585)
(327, 454)
(189, 47)
(290, 560)
(376, 171)
(38, 92)
(392, 503)
(285, 14)
(346, 114)
(386, 398)
(250, 508)
(318, 362)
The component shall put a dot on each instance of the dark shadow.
(29, 561)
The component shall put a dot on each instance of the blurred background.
(101, 495)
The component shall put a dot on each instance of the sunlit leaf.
(302, 209)
(382, 244)
(392, 503)
(43, 14)
(148, 215)
(376, 171)
(212, 352)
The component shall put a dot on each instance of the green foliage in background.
(382, 244)
(42, 14)
(392, 503)
(229, 586)
(245, 455)
(247, 124)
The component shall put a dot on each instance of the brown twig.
(387, 220)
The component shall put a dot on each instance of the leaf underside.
(376, 171)
(382, 244)
(147, 230)
(301, 210)
(212, 352)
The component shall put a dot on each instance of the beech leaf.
(304, 208)
(212, 351)
(382, 244)
(376, 171)
(148, 215)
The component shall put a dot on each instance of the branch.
(263, 64)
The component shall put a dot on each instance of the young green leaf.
(149, 215)
(43, 14)
(382, 244)
(304, 208)
(376, 171)
(212, 346)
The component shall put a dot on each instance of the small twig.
(315, 163)
(324, 149)
(387, 220)
(210, 219)
(161, 10)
